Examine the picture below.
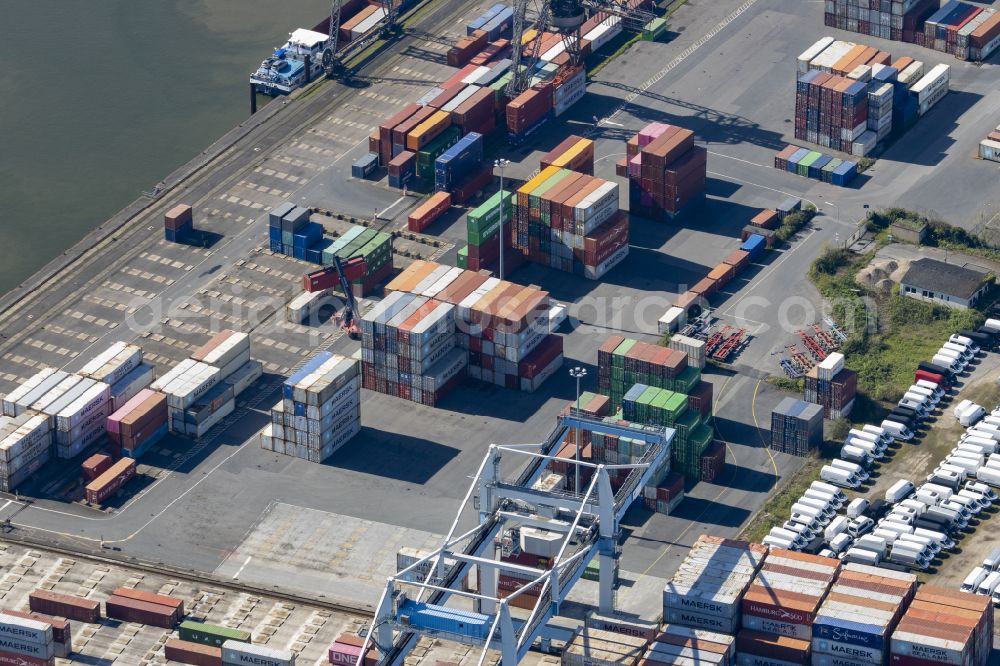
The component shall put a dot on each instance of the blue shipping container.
(454, 163)
(277, 246)
(308, 236)
(846, 631)
(796, 157)
(274, 233)
(754, 245)
(442, 618)
(365, 166)
(484, 18)
(844, 174)
(499, 25)
(816, 168)
(159, 434)
(275, 214)
(886, 75)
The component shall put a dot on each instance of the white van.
(975, 577)
(840, 542)
(947, 543)
(911, 398)
(855, 454)
(971, 416)
(836, 527)
(918, 549)
(968, 343)
(897, 430)
(988, 476)
(952, 356)
(826, 498)
(909, 558)
(810, 516)
(983, 489)
(969, 465)
(845, 479)
(789, 536)
(848, 466)
(833, 490)
(930, 396)
(872, 543)
(878, 432)
(861, 556)
(820, 505)
(961, 350)
(775, 542)
(856, 435)
(978, 445)
(899, 491)
(992, 325)
(803, 531)
(933, 546)
(948, 475)
(989, 584)
(952, 364)
(887, 534)
(860, 525)
(874, 450)
(894, 527)
(934, 387)
(857, 507)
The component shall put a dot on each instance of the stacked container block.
(898, 20)
(943, 627)
(623, 362)
(780, 605)
(484, 233)
(666, 171)
(860, 613)
(707, 590)
(178, 224)
(796, 427)
(832, 386)
(963, 30)
(571, 222)
(320, 409)
(677, 644)
(138, 424)
(121, 366)
(656, 406)
(25, 446)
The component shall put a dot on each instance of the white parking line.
(242, 567)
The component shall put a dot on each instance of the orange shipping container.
(429, 211)
(428, 130)
(722, 274)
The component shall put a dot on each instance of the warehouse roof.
(934, 275)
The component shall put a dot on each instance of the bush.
(839, 429)
(832, 260)
(794, 223)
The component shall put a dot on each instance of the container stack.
(832, 386)
(677, 644)
(375, 247)
(131, 605)
(574, 153)
(121, 366)
(964, 30)
(590, 647)
(931, 88)
(814, 164)
(138, 424)
(571, 221)
(796, 427)
(707, 590)
(452, 166)
(320, 410)
(666, 172)
(779, 607)
(655, 406)
(623, 362)
(943, 627)
(110, 482)
(228, 351)
(25, 446)
(856, 621)
(178, 224)
(484, 234)
(898, 20)
(430, 210)
(62, 632)
(183, 385)
(26, 641)
(713, 461)
(832, 111)
(291, 232)
(693, 348)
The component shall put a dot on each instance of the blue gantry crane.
(587, 520)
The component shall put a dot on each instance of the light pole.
(500, 163)
(577, 373)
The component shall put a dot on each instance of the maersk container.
(83, 407)
(365, 166)
(113, 363)
(754, 245)
(797, 156)
(28, 393)
(844, 174)
(237, 652)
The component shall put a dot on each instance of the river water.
(103, 98)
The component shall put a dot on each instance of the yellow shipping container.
(572, 153)
(529, 187)
(528, 35)
(428, 130)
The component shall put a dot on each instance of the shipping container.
(142, 612)
(187, 652)
(210, 634)
(110, 482)
(65, 605)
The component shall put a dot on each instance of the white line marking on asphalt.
(242, 567)
(9, 502)
(729, 157)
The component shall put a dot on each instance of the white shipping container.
(453, 104)
(21, 400)
(129, 386)
(931, 648)
(769, 626)
(443, 283)
(831, 55)
(236, 653)
(365, 26)
(54, 394)
(96, 417)
(116, 362)
(671, 320)
(267, 437)
(191, 385)
(989, 150)
(24, 629)
(812, 53)
(245, 376)
(234, 346)
(692, 347)
(604, 32)
(20, 433)
(94, 400)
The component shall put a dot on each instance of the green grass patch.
(787, 383)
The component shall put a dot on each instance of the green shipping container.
(687, 380)
(433, 150)
(210, 634)
(618, 355)
(802, 168)
(535, 198)
(654, 29)
(341, 243)
(463, 257)
(484, 222)
(500, 85)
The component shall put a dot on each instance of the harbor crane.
(427, 599)
(565, 18)
(332, 55)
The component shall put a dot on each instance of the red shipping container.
(449, 93)
(529, 107)
(320, 280)
(541, 357)
(187, 652)
(65, 605)
(132, 610)
(462, 52)
(385, 131)
(405, 162)
(473, 184)
(606, 239)
(14, 659)
(158, 599)
(95, 465)
(400, 131)
(111, 481)
(346, 651)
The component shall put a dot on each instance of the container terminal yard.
(259, 468)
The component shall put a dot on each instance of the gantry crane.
(564, 17)
(587, 522)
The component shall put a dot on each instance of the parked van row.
(985, 579)
(810, 516)
(844, 473)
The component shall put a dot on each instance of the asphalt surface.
(727, 73)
